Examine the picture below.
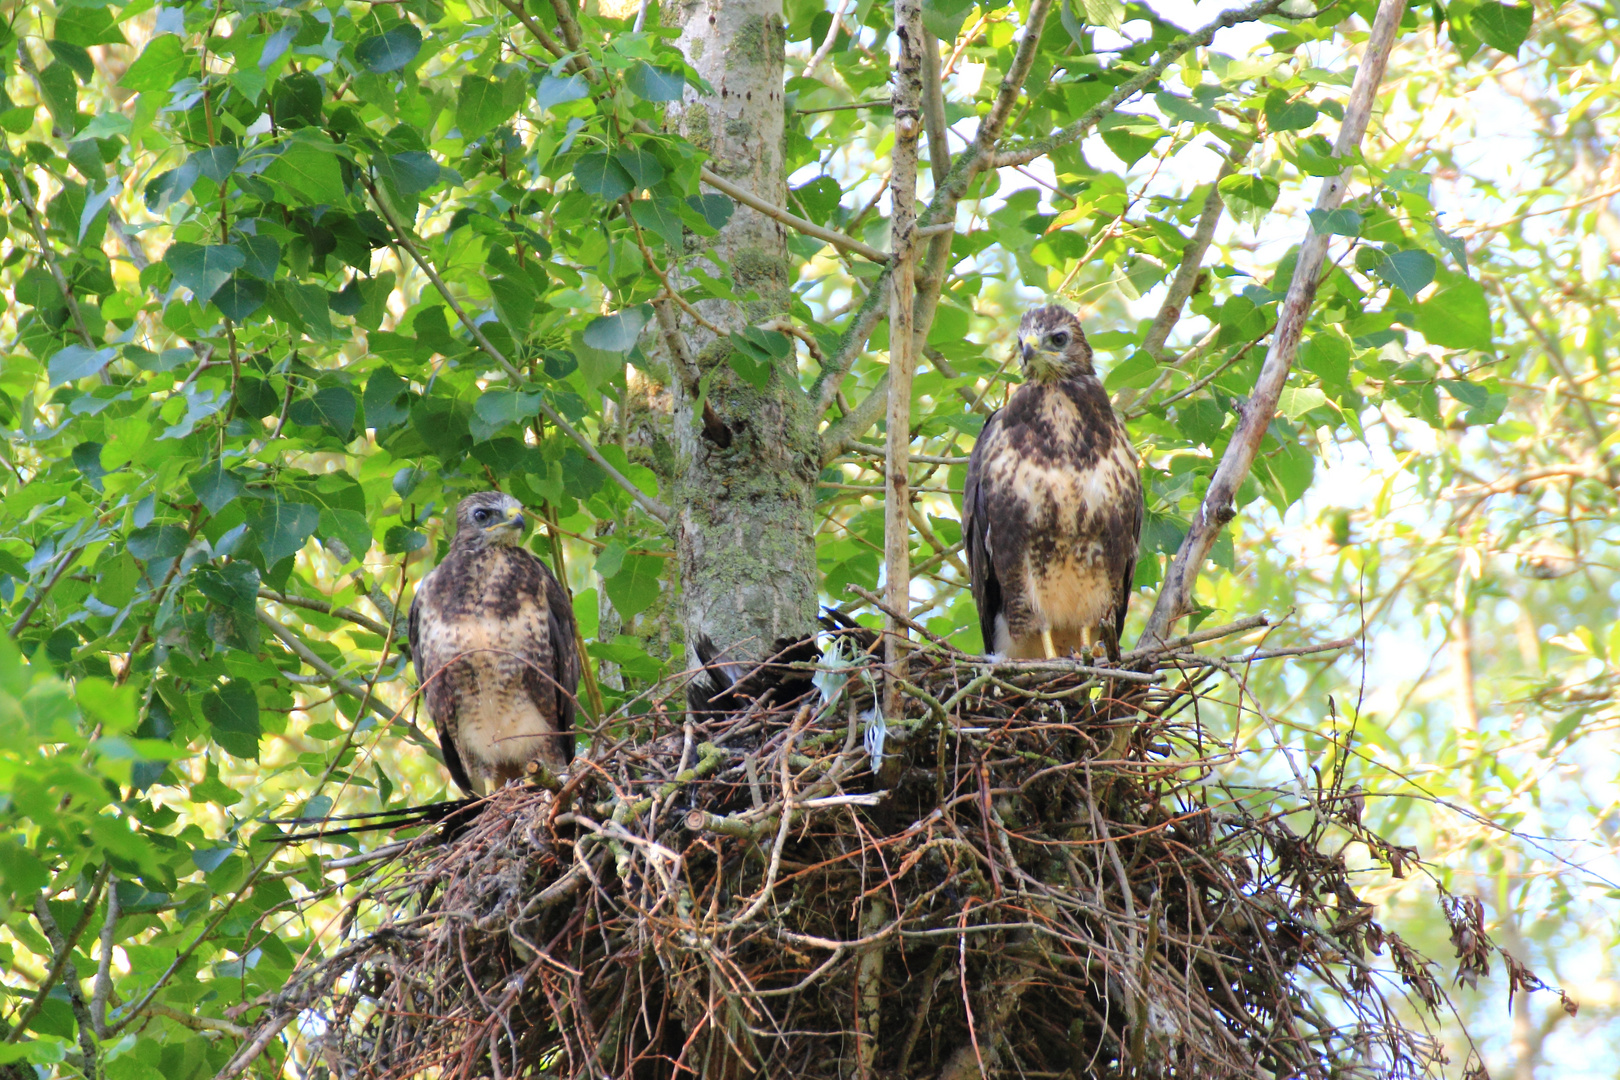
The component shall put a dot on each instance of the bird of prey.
(1052, 510)
(492, 638)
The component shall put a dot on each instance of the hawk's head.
(489, 519)
(1052, 344)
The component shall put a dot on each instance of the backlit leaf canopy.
(284, 282)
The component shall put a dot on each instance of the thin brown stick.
(792, 220)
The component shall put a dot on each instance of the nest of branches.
(1042, 874)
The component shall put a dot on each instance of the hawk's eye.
(1060, 339)
(480, 516)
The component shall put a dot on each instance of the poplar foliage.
(284, 281)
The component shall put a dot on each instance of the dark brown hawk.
(1053, 506)
(492, 637)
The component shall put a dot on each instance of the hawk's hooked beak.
(514, 519)
(1026, 347)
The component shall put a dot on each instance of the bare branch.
(1192, 258)
(792, 220)
(109, 937)
(850, 345)
(311, 604)
(1217, 509)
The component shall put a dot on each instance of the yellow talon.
(1046, 641)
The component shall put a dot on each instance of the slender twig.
(1218, 506)
(792, 220)
(1192, 257)
(109, 937)
(324, 607)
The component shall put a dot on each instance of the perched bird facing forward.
(1053, 506)
(492, 638)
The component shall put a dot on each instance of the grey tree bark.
(746, 458)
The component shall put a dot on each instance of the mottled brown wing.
(976, 534)
(440, 701)
(1127, 585)
(565, 659)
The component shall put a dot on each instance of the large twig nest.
(1042, 877)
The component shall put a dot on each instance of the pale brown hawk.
(492, 638)
(1052, 511)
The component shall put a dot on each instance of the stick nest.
(1044, 875)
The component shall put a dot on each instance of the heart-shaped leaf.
(203, 269)
(391, 51)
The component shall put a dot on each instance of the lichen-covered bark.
(746, 465)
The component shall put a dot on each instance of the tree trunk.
(746, 457)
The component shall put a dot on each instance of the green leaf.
(1259, 192)
(400, 540)
(654, 83)
(1501, 26)
(757, 373)
(1485, 405)
(160, 65)
(77, 362)
(215, 486)
(154, 542)
(1327, 356)
(87, 26)
(387, 399)
(1294, 402)
(1109, 13)
(600, 175)
(640, 164)
(168, 188)
(716, 209)
(1456, 317)
(1409, 271)
(411, 172)
(331, 407)
(497, 408)
(263, 256)
(61, 93)
(661, 216)
(232, 711)
(481, 104)
(309, 171)
(1340, 222)
(234, 585)
(349, 527)
(391, 51)
(944, 18)
(310, 303)
(635, 586)
(618, 332)
(1285, 115)
(554, 90)
(240, 297)
(216, 162)
(203, 269)
(282, 528)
